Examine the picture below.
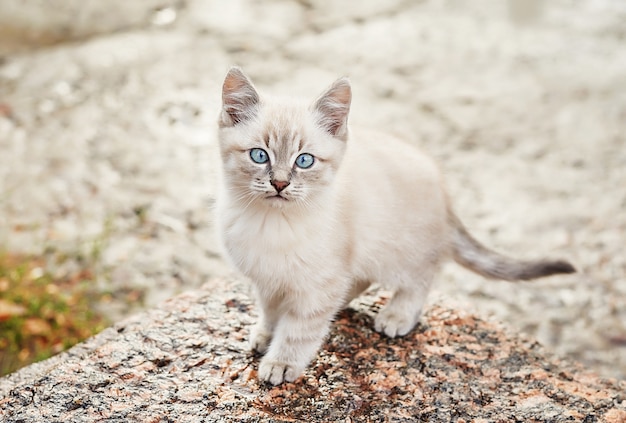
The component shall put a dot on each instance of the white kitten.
(313, 217)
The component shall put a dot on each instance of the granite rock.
(188, 361)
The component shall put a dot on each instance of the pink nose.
(279, 185)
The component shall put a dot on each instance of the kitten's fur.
(371, 209)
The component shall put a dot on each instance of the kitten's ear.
(333, 107)
(239, 98)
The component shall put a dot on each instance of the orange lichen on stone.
(615, 416)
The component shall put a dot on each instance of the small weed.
(42, 315)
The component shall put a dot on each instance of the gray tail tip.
(559, 266)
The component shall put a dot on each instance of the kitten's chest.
(274, 246)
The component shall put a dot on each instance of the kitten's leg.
(261, 333)
(297, 338)
(404, 309)
(358, 287)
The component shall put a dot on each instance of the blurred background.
(108, 147)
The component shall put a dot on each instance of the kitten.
(313, 214)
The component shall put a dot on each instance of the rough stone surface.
(107, 135)
(188, 361)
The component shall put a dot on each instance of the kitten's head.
(279, 152)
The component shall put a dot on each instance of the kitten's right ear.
(239, 98)
(333, 107)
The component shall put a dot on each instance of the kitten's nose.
(279, 185)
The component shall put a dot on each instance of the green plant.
(42, 315)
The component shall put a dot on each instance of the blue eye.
(304, 161)
(258, 155)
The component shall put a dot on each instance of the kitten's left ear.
(333, 107)
(239, 98)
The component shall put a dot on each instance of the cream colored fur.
(371, 209)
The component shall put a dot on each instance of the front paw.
(276, 372)
(260, 339)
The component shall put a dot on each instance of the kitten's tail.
(471, 254)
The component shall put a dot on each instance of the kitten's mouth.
(277, 197)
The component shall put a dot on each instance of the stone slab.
(188, 361)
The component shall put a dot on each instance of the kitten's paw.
(260, 339)
(276, 372)
(393, 324)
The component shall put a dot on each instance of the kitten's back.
(392, 199)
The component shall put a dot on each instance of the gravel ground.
(107, 136)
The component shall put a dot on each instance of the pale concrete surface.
(107, 135)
